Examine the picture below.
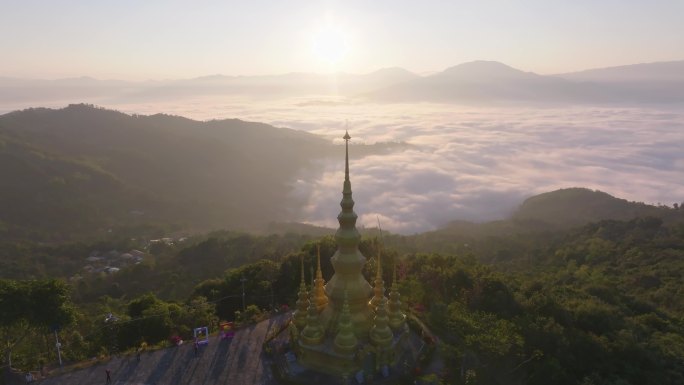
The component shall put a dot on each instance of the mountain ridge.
(172, 169)
(644, 65)
(660, 71)
(495, 82)
(577, 206)
(478, 81)
(563, 208)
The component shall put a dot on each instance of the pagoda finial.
(379, 285)
(319, 284)
(346, 138)
(300, 314)
(378, 275)
(312, 278)
(319, 272)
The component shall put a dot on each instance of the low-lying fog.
(465, 162)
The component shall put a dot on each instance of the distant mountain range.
(276, 86)
(672, 71)
(494, 82)
(473, 82)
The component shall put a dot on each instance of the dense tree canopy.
(30, 307)
(596, 304)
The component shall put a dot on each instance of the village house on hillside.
(112, 261)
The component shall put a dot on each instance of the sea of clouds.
(479, 164)
(463, 162)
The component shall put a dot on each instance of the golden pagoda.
(337, 326)
(319, 284)
(300, 314)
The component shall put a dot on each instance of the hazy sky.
(156, 39)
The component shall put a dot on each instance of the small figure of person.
(109, 376)
(137, 355)
(29, 377)
(196, 347)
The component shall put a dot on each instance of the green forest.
(511, 302)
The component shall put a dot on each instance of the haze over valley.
(476, 139)
(449, 161)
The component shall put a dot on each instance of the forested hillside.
(81, 170)
(539, 224)
(603, 306)
(598, 303)
(577, 206)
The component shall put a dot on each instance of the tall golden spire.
(319, 273)
(357, 319)
(348, 261)
(303, 301)
(319, 283)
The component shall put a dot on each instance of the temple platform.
(289, 368)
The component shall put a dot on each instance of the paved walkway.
(236, 361)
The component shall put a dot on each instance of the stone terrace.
(235, 361)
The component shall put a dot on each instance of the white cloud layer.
(470, 163)
(465, 163)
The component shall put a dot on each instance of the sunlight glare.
(330, 45)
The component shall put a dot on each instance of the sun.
(330, 45)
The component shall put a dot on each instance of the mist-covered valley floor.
(463, 162)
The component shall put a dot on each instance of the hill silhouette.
(670, 71)
(494, 82)
(537, 222)
(578, 206)
(83, 168)
(477, 82)
(48, 189)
